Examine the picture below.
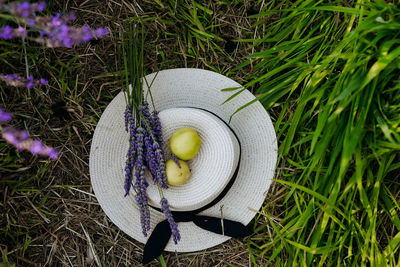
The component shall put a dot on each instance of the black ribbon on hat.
(162, 232)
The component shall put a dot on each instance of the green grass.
(196, 22)
(333, 76)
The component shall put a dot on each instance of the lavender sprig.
(8, 32)
(140, 164)
(4, 116)
(19, 81)
(25, 9)
(145, 150)
(22, 141)
(141, 199)
(155, 153)
(175, 158)
(54, 31)
(141, 183)
(130, 156)
(172, 224)
(157, 127)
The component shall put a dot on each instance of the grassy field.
(326, 71)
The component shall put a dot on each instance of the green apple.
(185, 143)
(176, 175)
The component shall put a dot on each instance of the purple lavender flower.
(175, 158)
(101, 32)
(157, 127)
(146, 150)
(54, 30)
(4, 116)
(29, 82)
(150, 157)
(36, 147)
(25, 9)
(72, 16)
(141, 184)
(51, 153)
(128, 117)
(16, 138)
(130, 156)
(161, 176)
(139, 165)
(19, 81)
(172, 224)
(22, 141)
(154, 152)
(145, 114)
(129, 165)
(43, 81)
(141, 199)
(41, 6)
(128, 176)
(7, 32)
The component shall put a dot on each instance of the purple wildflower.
(101, 32)
(145, 151)
(54, 30)
(36, 147)
(25, 9)
(129, 165)
(139, 165)
(20, 31)
(43, 81)
(130, 156)
(72, 16)
(172, 224)
(4, 116)
(128, 117)
(142, 201)
(141, 184)
(6, 32)
(128, 176)
(29, 82)
(41, 6)
(155, 154)
(22, 141)
(175, 158)
(161, 176)
(19, 81)
(150, 157)
(145, 115)
(157, 127)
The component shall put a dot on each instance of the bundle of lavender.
(145, 136)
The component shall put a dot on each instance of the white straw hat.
(243, 151)
(211, 169)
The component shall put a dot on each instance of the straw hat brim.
(187, 88)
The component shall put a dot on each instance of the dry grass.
(50, 216)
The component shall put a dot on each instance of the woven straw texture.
(187, 88)
(211, 168)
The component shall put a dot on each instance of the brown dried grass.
(70, 228)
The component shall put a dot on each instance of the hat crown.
(211, 169)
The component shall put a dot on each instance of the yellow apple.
(185, 143)
(176, 175)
